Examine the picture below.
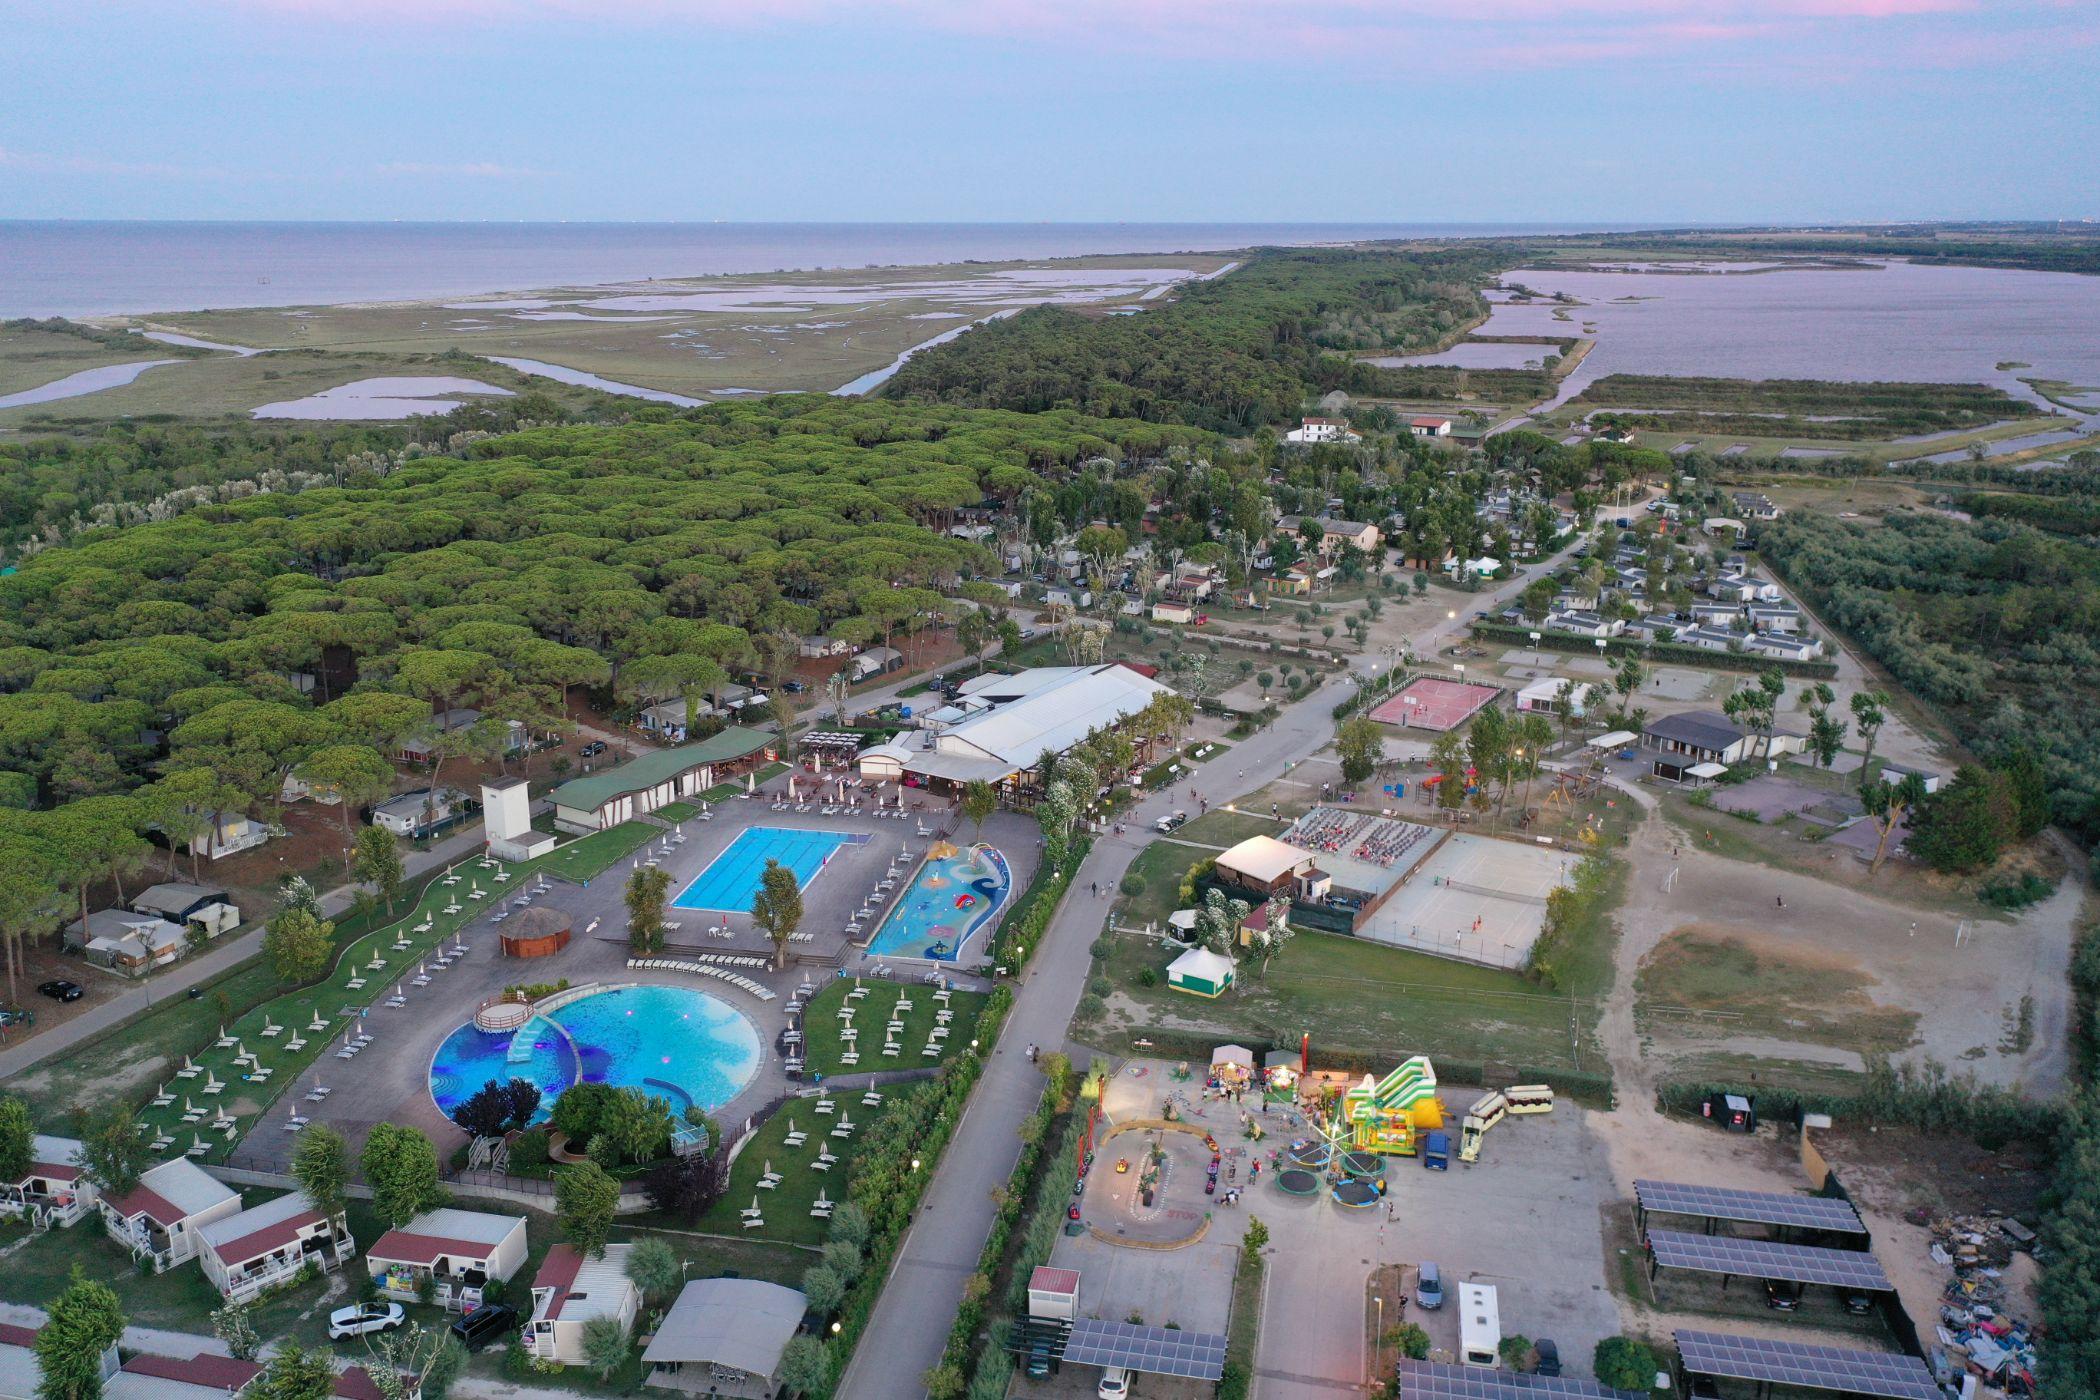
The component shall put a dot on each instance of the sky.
(1658, 111)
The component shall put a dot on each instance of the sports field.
(1431, 703)
(1473, 897)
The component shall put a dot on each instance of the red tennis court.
(1428, 703)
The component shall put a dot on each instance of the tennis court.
(1475, 898)
(1427, 702)
(731, 879)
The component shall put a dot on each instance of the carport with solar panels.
(1439, 1380)
(1796, 1219)
(1835, 1282)
(1707, 1358)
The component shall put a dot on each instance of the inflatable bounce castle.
(1390, 1114)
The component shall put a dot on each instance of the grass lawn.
(1772, 994)
(1162, 866)
(874, 1011)
(588, 857)
(787, 1206)
(1221, 828)
(1360, 997)
(677, 812)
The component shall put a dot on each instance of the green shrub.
(1133, 884)
(1624, 1364)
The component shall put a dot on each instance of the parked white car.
(362, 1318)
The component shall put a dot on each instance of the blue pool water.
(685, 1046)
(947, 904)
(732, 878)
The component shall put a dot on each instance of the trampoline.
(1363, 1166)
(1313, 1156)
(1294, 1181)
(1356, 1195)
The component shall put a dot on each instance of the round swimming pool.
(688, 1047)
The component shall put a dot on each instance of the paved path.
(919, 1300)
(204, 967)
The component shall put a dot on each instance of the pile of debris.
(1977, 1336)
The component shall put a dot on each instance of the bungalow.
(1588, 624)
(1265, 865)
(1723, 614)
(126, 942)
(20, 1376)
(725, 1337)
(180, 903)
(1469, 434)
(1194, 584)
(266, 1245)
(606, 798)
(204, 1376)
(666, 719)
(1291, 583)
(1201, 972)
(54, 1191)
(569, 1291)
(1781, 647)
(458, 1251)
(1335, 533)
(230, 833)
(1543, 696)
(1486, 566)
(1894, 773)
(1179, 614)
(1310, 430)
(1755, 505)
(421, 812)
(1651, 629)
(1710, 639)
(423, 748)
(1775, 617)
(1429, 426)
(1732, 588)
(161, 1219)
(875, 661)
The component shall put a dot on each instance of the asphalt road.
(919, 1300)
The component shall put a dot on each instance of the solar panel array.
(1799, 1263)
(1435, 1380)
(1161, 1351)
(1760, 1207)
(1798, 1363)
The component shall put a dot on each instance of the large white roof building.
(1002, 725)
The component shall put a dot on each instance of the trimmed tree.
(605, 1346)
(294, 1373)
(1624, 1364)
(113, 1154)
(321, 1165)
(777, 907)
(652, 1266)
(647, 889)
(378, 864)
(401, 1167)
(81, 1324)
(585, 1201)
(300, 946)
(1360, 743)
(979, 798)
(17, 1138)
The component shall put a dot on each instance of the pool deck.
(390, 1081)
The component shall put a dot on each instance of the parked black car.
(59, 989)
(1549, 1356)
(1782, 1294)
(593, 748)
(484, 1325)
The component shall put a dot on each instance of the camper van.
(1479, 1325)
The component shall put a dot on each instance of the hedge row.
(977, 1293)
(1651, 651)
(1924, 1097)
(887, 1187)
(1032, 912)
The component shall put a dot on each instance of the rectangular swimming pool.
(732, 878)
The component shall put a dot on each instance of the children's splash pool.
(684, 1046)
(956, 893)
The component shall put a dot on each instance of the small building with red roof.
(270, 1244)
(570, 1290)
(459, 1250)
(54, 1191)
(161, 1219)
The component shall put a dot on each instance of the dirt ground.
(1890, 959)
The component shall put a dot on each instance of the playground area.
(1473, 897)
(1148, 1185)
(1428, 702)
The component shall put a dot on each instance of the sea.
(89, 268)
